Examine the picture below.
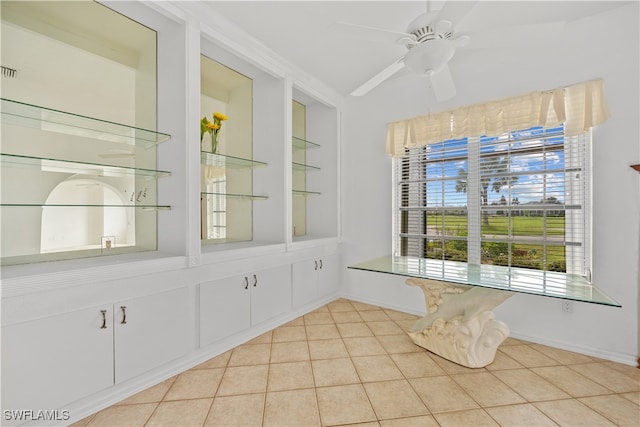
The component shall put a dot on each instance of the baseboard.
(599, 353)
(588, 351)
(382, 304)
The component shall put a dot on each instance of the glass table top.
(523, 280)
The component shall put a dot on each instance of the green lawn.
(534, 256)
(499, 225)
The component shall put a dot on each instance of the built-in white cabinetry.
(313, 279)
(50, 362)
(250, 233)
(328, 276)
(234, 304)
(149, 331)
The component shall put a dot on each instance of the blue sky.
(531, 167)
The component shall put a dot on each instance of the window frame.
(577, 261)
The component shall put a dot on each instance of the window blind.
(520, 199)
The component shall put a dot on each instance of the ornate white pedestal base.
(460, 325)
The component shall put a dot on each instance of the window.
(520, 199)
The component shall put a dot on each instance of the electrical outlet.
(567, 306)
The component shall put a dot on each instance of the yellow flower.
(219, 116)
(213, 126)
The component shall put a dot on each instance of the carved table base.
(460, 325)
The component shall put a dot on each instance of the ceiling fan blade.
(454, 11)
(520, 36)
(379, 78)
(364, 32)
(442, 84)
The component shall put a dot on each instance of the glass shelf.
(237, 196)
(222, 160)
(301, 144)
(45, 205)
(299, 167)
(82, 168)
(514, 279)
(41, 118)
(305, 193)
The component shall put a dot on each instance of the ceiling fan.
(431, 41)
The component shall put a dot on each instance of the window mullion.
(473, 201)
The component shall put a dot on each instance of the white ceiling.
(302, 33)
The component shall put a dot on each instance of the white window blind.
(520, 199)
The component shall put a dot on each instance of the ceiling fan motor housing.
(424, 33)
(429, 56)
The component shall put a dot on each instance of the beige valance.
(578, 106)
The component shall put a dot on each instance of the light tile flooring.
(351, 363)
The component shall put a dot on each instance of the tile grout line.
(313, 377)
(266, 386)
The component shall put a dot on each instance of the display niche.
(313, 169)
(300, 169)
(226, 155)
(78, 158)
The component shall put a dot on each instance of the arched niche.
(98, 211)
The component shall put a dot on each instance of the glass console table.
(460, 325)
(523, 280)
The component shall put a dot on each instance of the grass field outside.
(499, 225)
(527, 255)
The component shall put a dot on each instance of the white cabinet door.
(304, 276)
(48, 363)
(150, 331)
(270, 293)
(225, 308)
(329, 281)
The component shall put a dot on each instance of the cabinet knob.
(255, 280)
(104, 319)
(124, 314)
(246, 282)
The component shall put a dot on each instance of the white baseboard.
(588, 351)
(626, 359)
(382, 304)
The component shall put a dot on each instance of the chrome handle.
(316, 264)
(255, 280)
(124, 314)
(320, 264)
(104, 319)
(246, 282)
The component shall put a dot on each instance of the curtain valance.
(579, 107)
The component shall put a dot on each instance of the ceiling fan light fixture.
(430, 56)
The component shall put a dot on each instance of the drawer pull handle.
(246, 282)
(320, 264)
(104, 319)
(316, 264)
(255, 280)
(124, 314)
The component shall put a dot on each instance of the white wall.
(603, 46)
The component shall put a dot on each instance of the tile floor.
(351, 363)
